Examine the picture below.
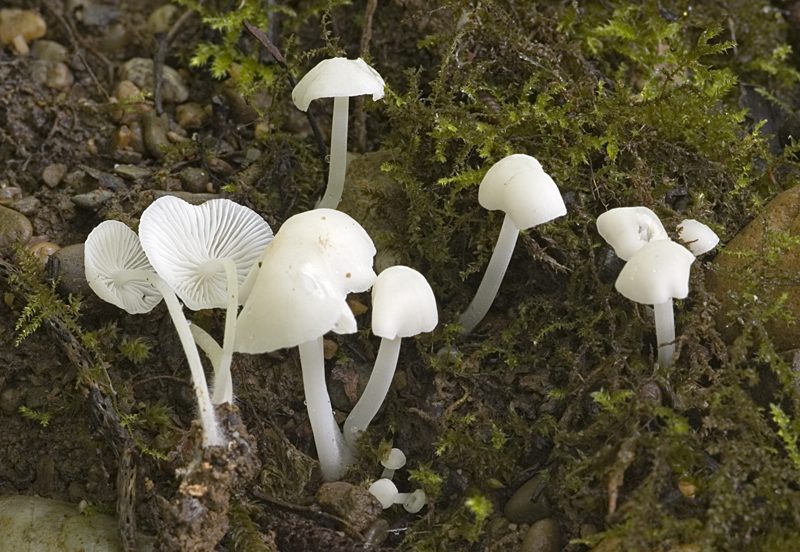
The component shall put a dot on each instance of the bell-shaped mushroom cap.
(698, 237)
(299, 291)
(415, 501)
(627, 229)
(395, 460)
(518, 186)
(185, 243)
(111, 250)
(385, 491)
(345, 245)
(337, 78)
(656, 273)
(403, 304)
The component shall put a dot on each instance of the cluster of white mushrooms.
(292, 287)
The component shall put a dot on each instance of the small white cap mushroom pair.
(657, 268)
(201, 254)
(387, 494)
(340, 79)
(517, 185)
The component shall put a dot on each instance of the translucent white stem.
(493, 277)
(223, 383)
(378, 386)
(338, 164)
(208, 344)
(334, 455)
(211, 435)
(665, 332)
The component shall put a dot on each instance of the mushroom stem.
(375, 392)
(334, 455)
(208, 344)
(493, 277)
(223, 384)
(211, 434)
(338, 164)
(665, 332)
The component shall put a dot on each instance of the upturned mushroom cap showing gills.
(185, 243)
(518, 186)
(338, 78)
(300, 290)
(628, 229)
(111, 250)
(657, 273)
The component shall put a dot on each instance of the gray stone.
(529, 504)
(140, 72)
(543, 536)
(92, 200)
(49, 50)
(155, 130)
(15, 228)
(194, 179)
(54, 173)
(72, 276)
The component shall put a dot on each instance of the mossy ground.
(624, 103)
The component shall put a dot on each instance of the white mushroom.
(118, 271)
(385, 491)
(393, 461)
(337, 78)
(697, 236)
(628, 229)
(403, 305)
(205, 252)
(297, 295)
(655, 275)
(518, 186)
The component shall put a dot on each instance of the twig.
(361, 115)
(262, 37)
(161, 54)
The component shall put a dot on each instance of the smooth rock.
(160, 19)
(529, 504)
(155, 130)
(92, 200)
(59, 76)
(54, 173)
(782, 214)
(349, 502)
(140, 72)
(72, 275)
(191, 115)
(543, 536)
(49, 50)
(194, 179)
(377, 532)
(133, 172)
(37, 524)
(15, 228)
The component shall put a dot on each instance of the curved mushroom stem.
(665, 332)
(375, 392)
(334, 454)
(493, 277)
(208, 419)
(223, 384)
(338, 164)
(208, 344)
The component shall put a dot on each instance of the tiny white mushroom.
(297, 295)
(655, 275)
(337, 78)
(518, 186)
(385, 491)
(412, 502)
(393, 461)
(403, 305)
(118, 271)
(205, 252)
(628, 229)
(697, 236)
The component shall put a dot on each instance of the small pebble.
(15, 228)
(43, 250)
(155, 130)
(48, 50)
(160, 20)
(350, 502)
(191, 115)
(59, 76)
(529, 504)
(377, 532)
(27, 205)
(54, 173)
(543, 536)
(72, 275)
(133, 172)
(218, 166)
(92, 200)
(194, 179)
(115, 38)
(140, 72)
(9, 193)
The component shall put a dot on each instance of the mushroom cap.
(111, 250)
(656, 273)
(698, 237)
(385, 491)
(299, 290)
(337, 78)
(403, 304)
(415, 501)
(627, 229)
(395, 460)
(518, 186)
(184, 243)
